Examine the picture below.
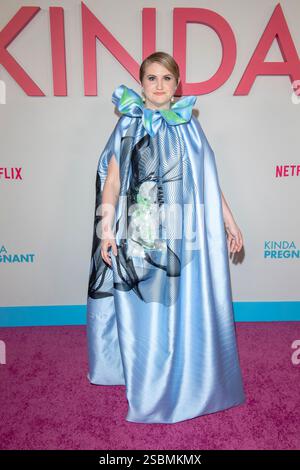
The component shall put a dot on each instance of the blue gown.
(160, 319)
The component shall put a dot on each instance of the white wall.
(57, 141)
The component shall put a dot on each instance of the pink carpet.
(46, 401)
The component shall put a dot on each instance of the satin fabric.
(161, 322)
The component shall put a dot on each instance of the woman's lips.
(160, 93)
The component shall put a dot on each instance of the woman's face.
(159, 86)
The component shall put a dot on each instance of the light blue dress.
(160, 319)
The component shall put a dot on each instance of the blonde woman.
(160, 318)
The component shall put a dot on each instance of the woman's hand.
(106, 243)
(234, 236)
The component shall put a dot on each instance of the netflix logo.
(10, 173)
(282, 171)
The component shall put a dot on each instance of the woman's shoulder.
(196, 131)
(195, 122)
(123, 121)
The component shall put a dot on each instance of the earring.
(172, 99)
(143, 95)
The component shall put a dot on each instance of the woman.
(160, 317)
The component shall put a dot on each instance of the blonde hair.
(164, 59)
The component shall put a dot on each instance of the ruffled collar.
(130, 103)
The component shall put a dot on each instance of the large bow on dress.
(130, 103)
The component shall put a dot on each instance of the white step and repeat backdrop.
(55, 122)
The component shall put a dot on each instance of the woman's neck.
(147, 106)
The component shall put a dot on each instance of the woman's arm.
(110, 195)
(234, 235)
(227, 214)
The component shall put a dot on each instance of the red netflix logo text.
(10, 173)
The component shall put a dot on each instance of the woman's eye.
(153, 78)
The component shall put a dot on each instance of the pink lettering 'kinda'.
(276, 28)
